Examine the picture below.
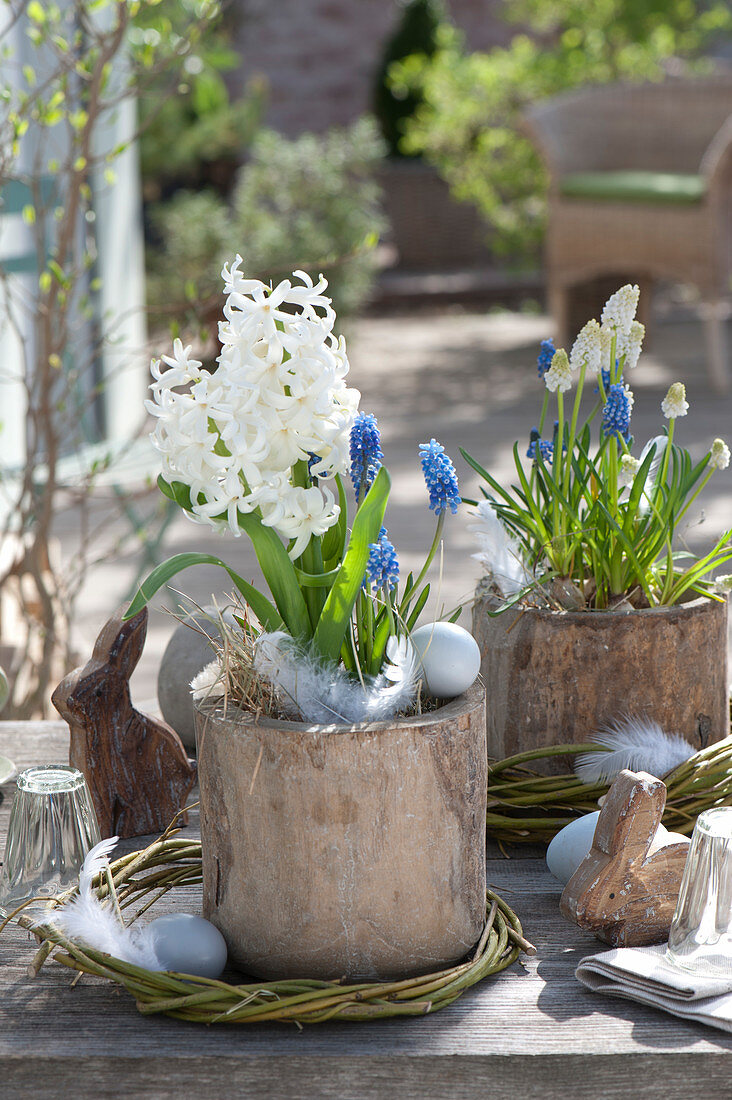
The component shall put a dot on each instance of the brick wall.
(320, 56)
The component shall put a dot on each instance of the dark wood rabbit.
(622, 892)
(136, 767)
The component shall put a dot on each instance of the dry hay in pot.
(527, 808)
(173, 862)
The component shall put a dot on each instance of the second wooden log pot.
(334, 851)
(556, 678)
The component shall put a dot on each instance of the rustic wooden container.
(334, 851)
(557, 677)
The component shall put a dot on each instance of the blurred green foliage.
(416, 33)
(311, 203)
(193, 131)
(467, 123)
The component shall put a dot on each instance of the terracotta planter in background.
(333, 851)
(557, 677)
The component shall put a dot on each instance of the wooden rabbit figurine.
(138, 773)
(625, 891)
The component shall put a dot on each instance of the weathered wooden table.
(532, 1032)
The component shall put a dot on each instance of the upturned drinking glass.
(52, 827)
(701, 933)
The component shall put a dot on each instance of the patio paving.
(468, 379)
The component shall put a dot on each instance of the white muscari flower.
(719, 455)
(674, 403)
(618, 315)
(588, 347)
(559, 375)
(633, 345)
(278, 397)
(606, 341)
(629, 467)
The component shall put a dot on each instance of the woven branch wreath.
(176, 862)
(527, 808)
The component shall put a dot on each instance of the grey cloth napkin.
(643, 974)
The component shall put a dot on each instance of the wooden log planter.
(336, 851)
(556, 677)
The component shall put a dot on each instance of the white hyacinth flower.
(629, 467)
(618, 315)
(674, 403)
(723, 583)
(278, 397)
(559, 375)
(719, 455)
(587, 348)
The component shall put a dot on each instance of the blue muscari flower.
(534, 438)
(440, 477)
(313, 460)
(546, 354)
(382, 569)
(366, 453)
(544, 446)
(546, 449)
(616, 413)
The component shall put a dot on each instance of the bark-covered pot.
(333, 851)
(556, 677)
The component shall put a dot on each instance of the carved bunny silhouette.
(625, 891)
(136, 767)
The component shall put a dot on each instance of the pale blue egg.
(188, 944)
(449, 656)
(571, 846)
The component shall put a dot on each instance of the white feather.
(659, 442)
(85, 920)
(500, 552)
(636, 743)
(312, 690)
(207, 683)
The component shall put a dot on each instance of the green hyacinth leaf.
(265, 611)
(336, 614)
(279, 571)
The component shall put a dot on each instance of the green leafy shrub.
(311, 203)
(467, 124)
(416, 33)
(193, 132)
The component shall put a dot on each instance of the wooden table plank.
(534, 1031)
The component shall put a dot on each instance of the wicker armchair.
(641, 186)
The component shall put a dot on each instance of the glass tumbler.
(52, 827)
(701, 933)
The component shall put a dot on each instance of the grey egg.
(188, 944)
